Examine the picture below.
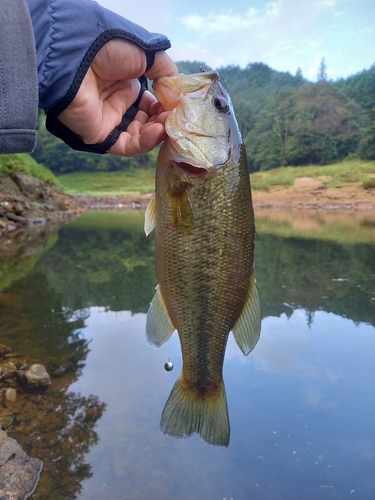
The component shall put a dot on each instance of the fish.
(203, 217)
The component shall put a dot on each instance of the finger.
(141, 138)
(150, 105)
(133, 145)
(163, 66)
(119, 59)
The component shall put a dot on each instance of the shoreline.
(31, 202)
(286, 199)
(309, 194)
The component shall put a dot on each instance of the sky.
(284, 34)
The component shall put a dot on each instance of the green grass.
(142, 180)
(338, 174)
(136, 181)
(108, 183)
(25, 164)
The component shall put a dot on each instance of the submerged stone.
(36, 376)
(6, 420)
(7, 369)
(10, 395)
(4, 350)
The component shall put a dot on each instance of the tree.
(317, 123)
(322, 75)
(361, 87)
(299, 75)
(58, 157)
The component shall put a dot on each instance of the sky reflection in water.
(301, 405)
(301, 410)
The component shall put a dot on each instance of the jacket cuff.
(68, 35)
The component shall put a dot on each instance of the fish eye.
(221, 104)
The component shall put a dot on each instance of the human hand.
(109, 88)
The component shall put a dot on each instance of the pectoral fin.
(159, 326)
(182, 211)
(150, 215)
(246, 331)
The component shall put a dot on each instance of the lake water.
(301, 405)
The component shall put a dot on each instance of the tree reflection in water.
(43, 309)
(57, 426)
(104, 260)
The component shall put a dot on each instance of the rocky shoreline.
(19, 473)
(25, 200)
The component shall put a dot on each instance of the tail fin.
(185, 413)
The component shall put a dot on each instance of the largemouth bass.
(203, 215)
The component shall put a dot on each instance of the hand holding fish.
(110, 87)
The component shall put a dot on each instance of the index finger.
(163, 66)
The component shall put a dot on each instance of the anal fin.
(246, 330)
(159, 326)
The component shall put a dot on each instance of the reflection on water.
(301, 406)
(332, 225)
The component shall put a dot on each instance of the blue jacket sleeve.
(18, 79)
(68, 35)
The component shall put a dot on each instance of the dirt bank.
(114, 202)
(308, 193)
(25, 200)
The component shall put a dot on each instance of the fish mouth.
(190, 169)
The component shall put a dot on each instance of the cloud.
(221, 23)
(284, 34)
(288, 16)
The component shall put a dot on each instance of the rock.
(15, 218)
(4, 349)
(19, 474)
(10, 395)
(18, 208)
(26, 183)
(6, 419)
(49, 208)
(25, 200)
(8, 369)
(8, 188)
(35, 376)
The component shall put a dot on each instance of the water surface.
(301, 404)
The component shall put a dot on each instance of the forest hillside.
(284, 119)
